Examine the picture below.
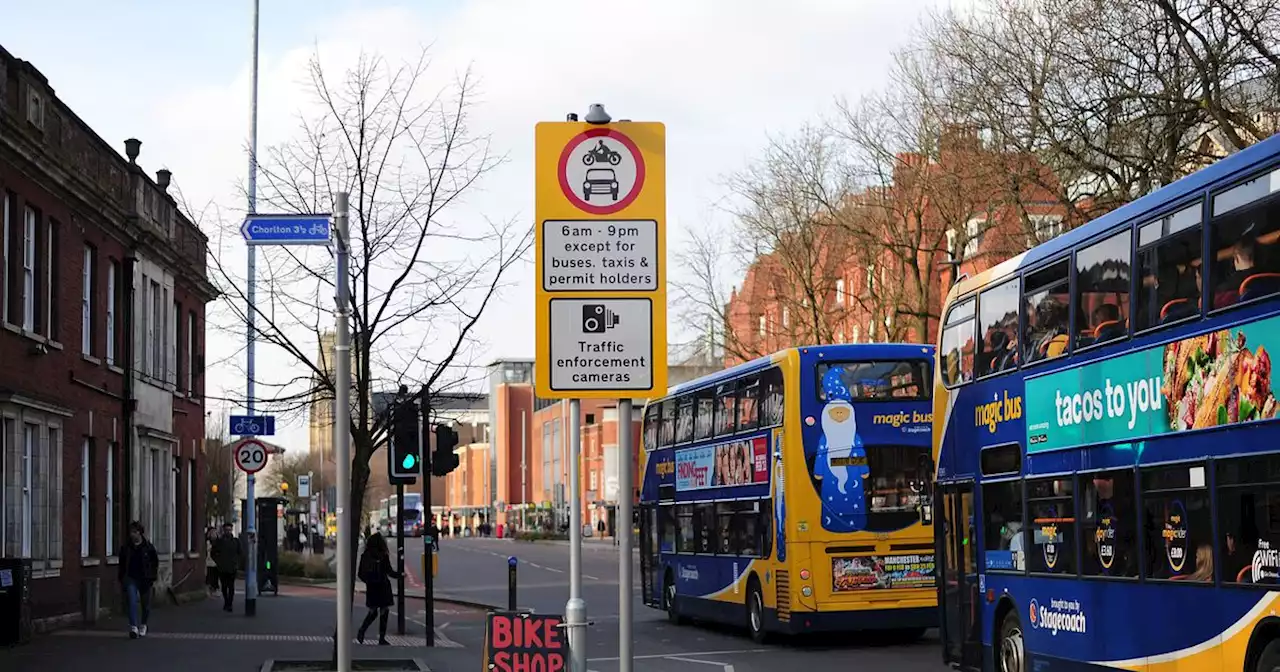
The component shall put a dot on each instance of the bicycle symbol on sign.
(247, 427)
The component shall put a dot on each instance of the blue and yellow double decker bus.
(787, 494)
(1109, 461)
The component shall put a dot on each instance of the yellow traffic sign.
(601, 248)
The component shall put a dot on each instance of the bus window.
(998, 324)
(1051, 505)
(668, 426)
(726, 410)
(704, 528)
(1168, 266)
(896, 479)
(1047, 304)
(651, 419)
(1102, 290)
(1248, 505)
(684, 529)
(684, 419)
(749, 403)
(702, 417)
(771, 399)
(1179, 539)
(957, 344)
(1110, 526)
(724, 529)
(876, 381)
(1002, 513)
(667, 528)
(1246, 227)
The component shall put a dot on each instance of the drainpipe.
(128, 405)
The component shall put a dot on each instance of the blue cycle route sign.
(287, 230)
(253, 425)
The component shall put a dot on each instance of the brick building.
(879, 270)
(102, 321)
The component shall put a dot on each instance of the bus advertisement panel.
(1108, 461)
(791, 488)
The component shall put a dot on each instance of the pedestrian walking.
(210, 567)
(376, 572)
(139, 565)
(434, 532)
(227, 557)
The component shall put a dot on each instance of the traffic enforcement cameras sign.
(601, 256)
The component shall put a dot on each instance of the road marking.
(724, 666)
(589, 577)
(655, 656)
(553, 569)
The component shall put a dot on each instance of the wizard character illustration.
(841, 460)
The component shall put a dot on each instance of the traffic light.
(405, 451)
(443, 460)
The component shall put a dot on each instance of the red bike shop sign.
(525, 642)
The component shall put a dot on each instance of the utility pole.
(342, 438)
(428, 577)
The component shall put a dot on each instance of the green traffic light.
(409, 461)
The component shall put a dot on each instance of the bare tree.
(220, 475)
(419, 280)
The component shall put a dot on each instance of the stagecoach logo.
(1266, 562)
(688, 572)
(1060, 615)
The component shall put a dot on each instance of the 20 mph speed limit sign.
(251, 456)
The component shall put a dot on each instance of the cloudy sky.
(723, 75)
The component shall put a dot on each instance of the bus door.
(958, 597)
(650, 564)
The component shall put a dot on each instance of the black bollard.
(511, 583)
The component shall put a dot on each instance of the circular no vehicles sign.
(251, 456)
(601, 171)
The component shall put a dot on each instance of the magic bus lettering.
(1002, 408)
(665, 468)
(901, 418)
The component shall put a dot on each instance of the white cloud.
(721, 75)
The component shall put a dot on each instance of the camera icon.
(596, 319)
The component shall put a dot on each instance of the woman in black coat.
(376, 572)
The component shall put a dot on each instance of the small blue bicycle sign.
(252, 425)
(251, 456)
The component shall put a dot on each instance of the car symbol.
(600, 181)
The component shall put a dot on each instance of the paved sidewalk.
(200, 637)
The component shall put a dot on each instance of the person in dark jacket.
(226, 555)
(376, 572)
(139, 565)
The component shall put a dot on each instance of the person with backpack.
(376, 572)
(137, 571)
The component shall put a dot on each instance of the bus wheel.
(669, 601)
(1269, 659)
(1012, 657)
(755, 613)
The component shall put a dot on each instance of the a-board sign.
(601, 254)
(525, 642)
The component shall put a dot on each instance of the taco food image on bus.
(1214, 379)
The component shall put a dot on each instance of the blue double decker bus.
(788, 494)
(1108, 477)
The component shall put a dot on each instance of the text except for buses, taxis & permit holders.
(600, 255)
(603, 343)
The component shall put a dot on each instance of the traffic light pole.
(428, 576)
(400, 558)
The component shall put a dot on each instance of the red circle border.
(563, 174)
(259, 444)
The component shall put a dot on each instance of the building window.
(87, 276)
(786, 318)
(871, 277)
(113, 271)
(840, 291)
(4, 258)
(169, 324)
(155, 314)
(109, 514)
(29, 271)
(84, 498)
(762, 325)
(972, 238)
(856, 334)
(33, 493)
(189, 368)
(51, 282)
(191, 505)
(179, 360)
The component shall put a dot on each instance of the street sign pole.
(400, 556)
(342, 439)
(428, 549)
(601, 303)
(625, 462)
(251, 516)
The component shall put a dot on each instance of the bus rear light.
(804, 575)
(991, 596)
(809, 421)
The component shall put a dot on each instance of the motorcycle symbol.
(603, 154)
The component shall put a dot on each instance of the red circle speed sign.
(251, 456)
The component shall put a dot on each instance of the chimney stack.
(131, 148)
(162, 179)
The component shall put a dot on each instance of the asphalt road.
(476, 569)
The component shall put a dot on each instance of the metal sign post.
(625, 463)
(342, 438)
(601, 303)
